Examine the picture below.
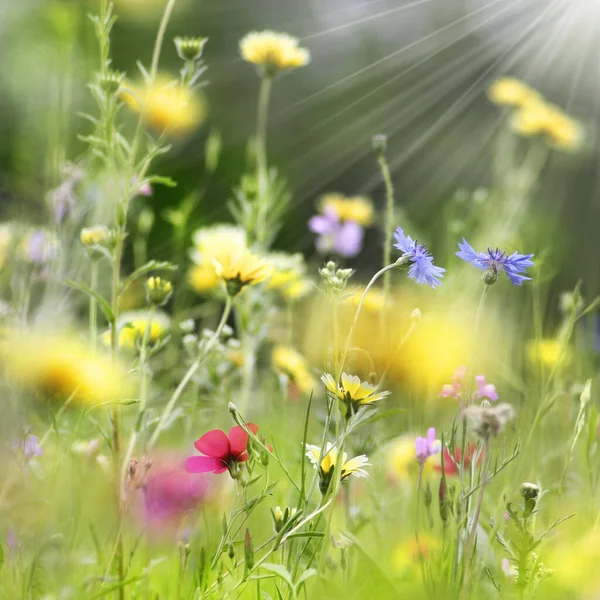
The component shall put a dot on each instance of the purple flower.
(28, 447)
(456, 388)
(485, 390)
(426, 446)
(513, 265)
(40, 247)
(422, 269)
(342, 238)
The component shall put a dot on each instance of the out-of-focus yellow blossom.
(60, 366)
(166, 105)
(133, 325)
(509, 91)
(5, 242)
(548, 353)
(213, 244)
(273, 51)
(352, 390)
(288, 276)
(574, 565)
(241, 270)
(293, 365)
(540, 118)
(355, 208)
(158, 290)
(93, 236)
(353, 466)
(401, 464)
(374, 300)
(410, 553)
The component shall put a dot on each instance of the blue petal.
(405, 243)
(468, 254)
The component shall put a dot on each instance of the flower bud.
(379, 142)
(444, 504)
(93, 236)
(530, 491)
(110, 82)
(490, 276)
(158, 291)
(415, 316)
(190, 48)
(248, 551)
(231, 551)
(428, 497)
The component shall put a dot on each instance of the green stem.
(263, 198)
(389, 226)
(189, 374)
(93, 305)
(359, 309)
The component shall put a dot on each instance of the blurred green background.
(416, 70)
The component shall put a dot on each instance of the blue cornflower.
(513, 265)
(422, 269)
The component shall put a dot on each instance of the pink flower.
(426, 446)
(222, 452)
(485, 390)
(170, 492)
(456, 388)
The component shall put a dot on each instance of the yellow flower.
(352, 391)
(356, 208)
(293, 365)
(273, 51)
(539, 118)
(213, 244)
(93, 236)
(509, 91)
(411, 553)
(166, 105)
(374, 300)
(288, 277)
(326, 465)
(548, 353)
(132, 328)
(61, 366)
(241, 270)
(158, 290)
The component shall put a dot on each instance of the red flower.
(450, 467)
(221, 451)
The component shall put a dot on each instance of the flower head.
(158, 290)
(514, 265)
(425, 447)
(213, 245)
(291, 364)
(485, 390)
(60, 366)
(422, 269)
(39, 247)
(456, 388)
(28, 447)
(451, 462)
(355, 208)
(93, 236)
(509, 91)
(132, 327)
(288, 277)
(241, 270)
(326, 464)
(487, 421)
(166, 105)
(352, 391)
(222, 452)
(336, 236)
(273, 52)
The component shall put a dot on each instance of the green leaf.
(153, 265)
(306, 575)
(160, 180)
(279, 570)
(102, 302)
(305, 534)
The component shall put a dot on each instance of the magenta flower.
(485, 390)
(338, 237)
(170, 492)
(427, 446)
(222, 452)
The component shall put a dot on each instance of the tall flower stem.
(475, 522)
(190, 373)
(263, 199)
(359, 309)
(389, 225)
(93, 306)
(114, 345)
